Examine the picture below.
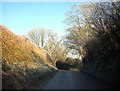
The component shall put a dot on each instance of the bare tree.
(95, 28)
(50, 42)
(78, 31)
(38, 36)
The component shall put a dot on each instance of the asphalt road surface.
(74, 80)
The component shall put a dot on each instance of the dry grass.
(16, 48)
(22, 60)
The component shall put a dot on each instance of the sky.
(21, 17)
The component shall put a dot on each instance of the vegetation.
(51, 43)
(38, 36)
(72, 64)
(93, 32)
(23, 62)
